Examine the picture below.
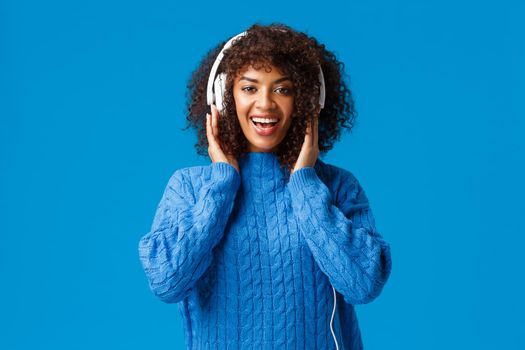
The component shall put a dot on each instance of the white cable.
(332, 320)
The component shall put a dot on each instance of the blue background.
(92, 106)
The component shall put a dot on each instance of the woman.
(268, 246)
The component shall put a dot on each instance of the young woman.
(267, 246)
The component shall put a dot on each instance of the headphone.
(217, 83)
(215, 93)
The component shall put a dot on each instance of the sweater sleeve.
(341, 234)
(188, 223)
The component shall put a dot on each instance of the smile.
(264, 126)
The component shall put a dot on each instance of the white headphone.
(215, 93)
(217, 85)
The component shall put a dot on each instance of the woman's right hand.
(214, 144)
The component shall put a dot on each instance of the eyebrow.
(256, 81)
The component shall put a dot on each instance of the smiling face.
(264, 101)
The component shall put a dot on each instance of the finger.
(208, 127)
(209, 134)
(215, 121)
(312, 132)
(308, 124)
(316, 130)
(308, 134)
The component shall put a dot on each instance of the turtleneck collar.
(256, 166)
(250, 157)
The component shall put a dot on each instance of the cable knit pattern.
(251, 257)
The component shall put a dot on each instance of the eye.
(248, 89)
(283, 90)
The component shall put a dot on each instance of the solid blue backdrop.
(92, 107)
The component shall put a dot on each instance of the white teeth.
(265, 120)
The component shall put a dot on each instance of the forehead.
(261, 72)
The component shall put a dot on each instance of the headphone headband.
(209, 90)
(219, 82)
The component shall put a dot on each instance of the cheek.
(289, 109)
(241, 109)
(241, 104)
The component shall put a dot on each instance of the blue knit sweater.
(251, 257)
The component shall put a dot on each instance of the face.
(264, 102)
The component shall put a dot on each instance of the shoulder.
(342, 183)
(334, 173)
(190, 180)
(184, 181)
(190, 174)
(334, 176)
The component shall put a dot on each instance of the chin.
(264, 149)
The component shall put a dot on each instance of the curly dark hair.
(296, 55)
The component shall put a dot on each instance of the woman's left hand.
(310, 149)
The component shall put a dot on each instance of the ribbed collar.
(257, 166)
(251, 158)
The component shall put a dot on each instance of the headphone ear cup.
(219, 86)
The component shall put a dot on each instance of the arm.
(186, 227)
(341, 234)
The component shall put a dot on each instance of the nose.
(265, 100)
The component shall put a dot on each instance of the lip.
(264, 131)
